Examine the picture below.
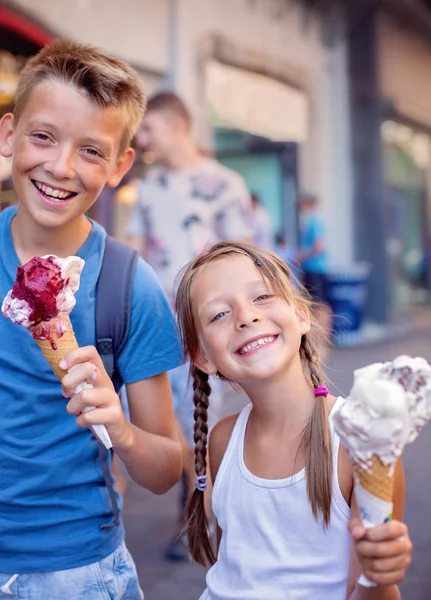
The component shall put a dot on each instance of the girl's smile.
(256, 344)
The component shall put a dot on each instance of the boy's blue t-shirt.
(313, 231)
(54, 503)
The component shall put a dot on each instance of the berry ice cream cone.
(385, 410)
(41, 300)
(55, 338)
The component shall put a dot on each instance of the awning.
(241, 99)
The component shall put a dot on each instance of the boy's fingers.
(79, 402)
(79, 373)
(81, 355)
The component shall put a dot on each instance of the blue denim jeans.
(113, 578)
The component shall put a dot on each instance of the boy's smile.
(64, 149)
(55, 194)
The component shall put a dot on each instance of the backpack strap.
(113, 314)
(114, 303)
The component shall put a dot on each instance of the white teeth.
(53, 193)
(261, 342)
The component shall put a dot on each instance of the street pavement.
(151, 520)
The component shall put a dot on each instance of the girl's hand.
(384, 552)
(87, 366)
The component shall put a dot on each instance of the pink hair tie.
(321, 391)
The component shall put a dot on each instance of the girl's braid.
(312, 362)
(201, 393)
(197, 522)
(317, 442)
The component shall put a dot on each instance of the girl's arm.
(219, 439)
(382, 553)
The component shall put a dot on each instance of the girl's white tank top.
(272, 548)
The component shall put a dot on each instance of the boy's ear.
(6, 134)
(124, 164)
(304, 320)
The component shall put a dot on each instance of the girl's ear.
(304, 320)
(202, 362)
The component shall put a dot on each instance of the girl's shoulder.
(344, 468)
(219, 440)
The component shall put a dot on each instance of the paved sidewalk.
(151, 520)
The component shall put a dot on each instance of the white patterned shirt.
(180, 213)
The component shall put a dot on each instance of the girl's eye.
(264, 297)
(218, 316)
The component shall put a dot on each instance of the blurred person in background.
(312, 258)
(261, 224)
(288, 254)
(186, 203)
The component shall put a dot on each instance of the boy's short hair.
(108, 82)
(170, 102)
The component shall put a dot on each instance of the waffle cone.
(61, 340)
(376, 479)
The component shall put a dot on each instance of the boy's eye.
(93, 152)
(41, 137)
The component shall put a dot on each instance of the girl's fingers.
(386, 565)
(357, 530)
(385, 549)
(389, 578)
(387, 531)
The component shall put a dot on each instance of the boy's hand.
(87, 366)
(384, 552)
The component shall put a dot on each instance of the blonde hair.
(108, 82)
(315, 440)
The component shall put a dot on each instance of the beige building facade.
(182, 43)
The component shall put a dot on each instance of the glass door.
(406, 191)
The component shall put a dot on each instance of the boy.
(76, 111)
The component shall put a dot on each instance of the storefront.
(260, 144)
(390, 61)
(20, 37)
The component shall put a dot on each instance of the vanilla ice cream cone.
(377, 478)
(374, 483)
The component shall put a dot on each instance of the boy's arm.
(385, 550)
(150, 449)
(148, 446)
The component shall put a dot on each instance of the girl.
(283, 486)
